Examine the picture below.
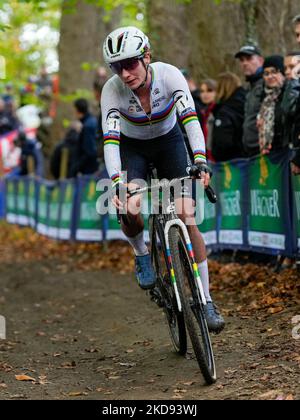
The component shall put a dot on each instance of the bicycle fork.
(178, 222)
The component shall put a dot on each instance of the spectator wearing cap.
(270, 121)
(251, 62)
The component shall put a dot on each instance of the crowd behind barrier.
(258, 207)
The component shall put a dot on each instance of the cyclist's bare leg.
(214, 319)
(133, 226)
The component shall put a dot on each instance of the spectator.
(8, 95)
(97, 88)
(70, 143)
(208, 96)
(290, 62)
(8, 121)
(86, 162)
(27, 93)
(251, 62)
(228, 118)
(296, 22)
(296, 158)
(101, 75)
(30, 148)
(44, 84)
(291, 96)
(195, 91)
(269, 120)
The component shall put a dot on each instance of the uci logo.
(2, 328)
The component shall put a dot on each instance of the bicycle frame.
(175, 221)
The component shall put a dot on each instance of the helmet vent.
(120, 42)
(109, 44)
(141, 42)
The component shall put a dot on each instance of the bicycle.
(178, 289)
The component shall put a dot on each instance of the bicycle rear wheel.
(175, 319)
(192, 306)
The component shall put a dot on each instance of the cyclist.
(139, 105)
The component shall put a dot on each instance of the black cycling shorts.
(167, 153)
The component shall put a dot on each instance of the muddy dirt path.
(96, 335)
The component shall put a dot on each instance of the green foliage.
(22, 58)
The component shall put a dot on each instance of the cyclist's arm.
(111, 131)
(179, 90)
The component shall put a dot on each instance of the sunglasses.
(129, 64)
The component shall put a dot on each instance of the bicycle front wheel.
(192, 305)
(174, 318)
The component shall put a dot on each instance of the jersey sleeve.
(178, 89)
(111, 130)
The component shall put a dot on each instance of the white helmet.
(123, 43)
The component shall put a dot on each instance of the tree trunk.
(167, 30)
(204, 36)
(82, 33)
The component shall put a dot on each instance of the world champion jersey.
(122, 113)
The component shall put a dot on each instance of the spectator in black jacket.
(69, 143)
(296, 75)
(29, 149)
(251, 62)
(229, 116)
(270, 120)
(86, 162)
(296, 158)
(8, 121)
(291, 96)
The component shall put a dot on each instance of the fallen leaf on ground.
(24, 378)
(77, 394)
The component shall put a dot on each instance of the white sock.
(138, 244)
(203, 271)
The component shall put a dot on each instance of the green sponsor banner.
(22, 209)
(230, 183)
(54, 211)
(11, 201)
(208, 227)
(67, 200)
(42, 211)
(31, 202)
(296, 191)
(267, 215)
(89, 221)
